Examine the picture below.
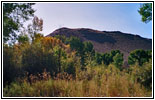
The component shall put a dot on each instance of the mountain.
(105, 41)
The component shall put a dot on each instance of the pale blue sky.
(122, 17)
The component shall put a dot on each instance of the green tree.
(114, 52)
(23, 38)
(76, 44)
(98, 58)
(14, 15)
(89, 52)
(118, 60)
(139, 56)
(146, 12)
(107, 59)
(63, 38)
(88, 47)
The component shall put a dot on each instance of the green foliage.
(8, 66)
(43, 53)
(12, 62)
(89, 53)
(146, 75)
(118, 60)
(14, 15)
(115, 57)
(69, 66)
(47, 53)
(23, 39)
(146, 12)
(139, 56)
(107, 58)
(98, 58)
(88, 47)
(100, 75)
(114, 52)
(35, 60)
(143, 74)
(62, 38)
(84, 50)
(76, 44)
(66, 62)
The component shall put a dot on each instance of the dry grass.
(95, 82)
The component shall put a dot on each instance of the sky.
(122, 17)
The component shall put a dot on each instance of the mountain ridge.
(105, 41)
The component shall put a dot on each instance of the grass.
(94, 82)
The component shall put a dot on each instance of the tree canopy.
(139, 56)
(146, 12)
(14, 15)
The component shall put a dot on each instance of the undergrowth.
(96, 81)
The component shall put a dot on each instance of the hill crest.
(105, 41)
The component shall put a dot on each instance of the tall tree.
(14, 15)
(146, 12)
(35, 27)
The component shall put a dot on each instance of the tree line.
(60, 54)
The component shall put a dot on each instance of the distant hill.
(105, 41)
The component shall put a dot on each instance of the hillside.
(105, 41)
